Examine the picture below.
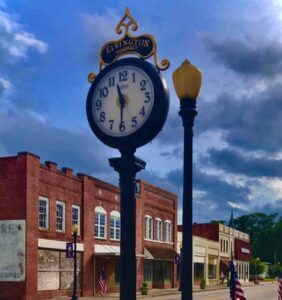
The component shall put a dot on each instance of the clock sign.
(127, 103)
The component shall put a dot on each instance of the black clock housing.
(156, 119)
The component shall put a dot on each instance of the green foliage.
(217, 222)
(265, 233)
(275, 271)
(257, 267)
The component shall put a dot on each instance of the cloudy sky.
(47, 49)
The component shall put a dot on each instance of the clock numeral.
(122, 76)
(142, 111)
(133, 122)
(102, 116)
(148, 98)
(121, 126)
(111, 81)
(143, 85)
(111, 124)
(98, 104)
(104, 92)
(133, 77)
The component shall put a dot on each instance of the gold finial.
(132, 22)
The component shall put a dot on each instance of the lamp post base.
(74, 297)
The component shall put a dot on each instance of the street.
(261, 292)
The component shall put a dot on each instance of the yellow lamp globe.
(187, 80)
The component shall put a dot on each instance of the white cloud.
(6, 84)
(242, 207)
(101, 27)
(15, 42)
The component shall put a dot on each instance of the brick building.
(38, 205)
(231, 242)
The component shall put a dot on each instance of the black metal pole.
(74, 296)
(127, 166)
(188, 113)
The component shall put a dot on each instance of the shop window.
(60, 216)
(162, 271)
(212, 267)
(148, 227)
(159, 229)
(198, 271)
(212, 271)
(43, 213)
(167, 271)
(76, 216)
(100, 222)
(168, 235)
(115, 225)
(55, 271)
(117, 271)
(148, 270)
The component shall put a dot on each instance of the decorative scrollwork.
(132, 22)
(143, 46)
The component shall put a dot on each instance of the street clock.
(127, 103)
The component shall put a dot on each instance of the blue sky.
(47, 49)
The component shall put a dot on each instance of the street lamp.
(187, 80)
(74, 231)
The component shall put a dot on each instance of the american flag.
(236, 291)
(102, 283)
(280, 289)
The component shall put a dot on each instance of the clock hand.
(121, 100)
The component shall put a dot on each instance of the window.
(60, 220)
(115, 225)
(212, 266)
(162, 271)
(159, 229)
(212, 271)
(100, 222)
(148, 227)
(148, 270)
(43, 213)
(198, 271)
(117, 271)
(76, 216)
(168, 231)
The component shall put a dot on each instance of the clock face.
(127, 103)
(123, 100)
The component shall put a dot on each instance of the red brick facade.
(243, 250)
(23, 179)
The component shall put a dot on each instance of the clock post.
(127, 166)
(127, 106)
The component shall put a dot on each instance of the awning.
(159, 253)
(108, 250)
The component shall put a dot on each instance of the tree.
(275, 271)
(217, 222)
(257, 267)
(264, 234)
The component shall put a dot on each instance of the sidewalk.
(155, 293)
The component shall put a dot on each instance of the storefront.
(159, 267)
(242, 257)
